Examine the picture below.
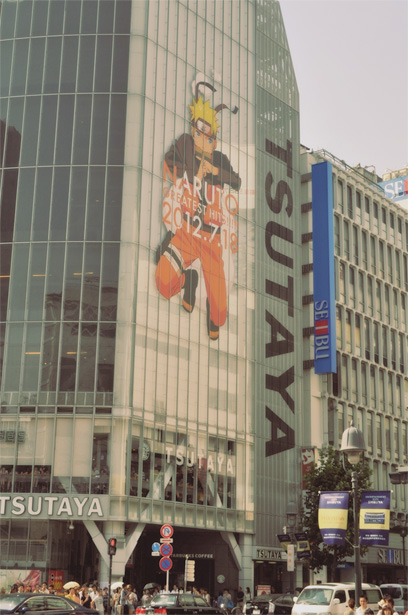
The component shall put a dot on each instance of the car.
(25, 604)
(177, 604)
(332, 598)
(280, 604)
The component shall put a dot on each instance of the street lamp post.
(291, 516)
(352, 445)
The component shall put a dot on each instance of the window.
(367, 339)
(387, 304)
(358, 205)
(397, 268)
(342, 282)
(381, 389)
(387, 437)
(344, 378)
(354, 388)
(346, 240)
(370, 432)
(373, 255)
(336, 236)
(366, 209)
(373, 392)
(382, 259)
(379, 435)
(364, 249)
(378, 298)
(376, 343)
(352, 287)
(348, 330)
(370, 295)
(361, 293)
(349, 201)
(390, 394)
(375, 210)
(340, 194)
(357, 335)
(355, 246)
(364, 382)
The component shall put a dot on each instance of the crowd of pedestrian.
(124, 598)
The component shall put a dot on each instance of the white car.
(332, 598)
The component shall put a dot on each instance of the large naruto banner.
(199, 212)
(332, 519)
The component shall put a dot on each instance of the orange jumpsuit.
(200, 234)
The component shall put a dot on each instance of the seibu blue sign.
(396, 189)
(324, 315)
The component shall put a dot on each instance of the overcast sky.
(351, 65)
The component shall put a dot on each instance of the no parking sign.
(165, 564)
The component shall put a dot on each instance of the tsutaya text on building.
(54, 506)
(217, 462)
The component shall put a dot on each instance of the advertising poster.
(332, 519)
(375, 518)
(10, 577)
(199, 212)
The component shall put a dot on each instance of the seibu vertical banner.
(333, 509)
(375, 518)
(324, 316)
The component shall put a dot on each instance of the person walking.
(97, 602)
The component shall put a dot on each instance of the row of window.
(368, 212)
(370, 253)
(389, 305)
(369, 340)
(164, 468)
(368, 385)
(46, 17)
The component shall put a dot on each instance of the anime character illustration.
(196, 208)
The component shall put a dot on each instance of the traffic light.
(112, 546)
(190, 570)
(400, 476)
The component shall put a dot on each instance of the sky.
(351, 64)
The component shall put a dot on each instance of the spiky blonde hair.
(201, 110)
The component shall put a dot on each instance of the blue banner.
(333, 509)
(375, 518)
(323, 270)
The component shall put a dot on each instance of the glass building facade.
(150, 296)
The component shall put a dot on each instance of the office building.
(150, 290)
(369, 384)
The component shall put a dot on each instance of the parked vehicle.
(332, 598)
(280, 604)
(41, 604)
(177, 604)
(400, 595)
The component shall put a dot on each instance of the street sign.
(166, 540)
(166, 531)
(166, 550)
(165, 564)
(155, 546)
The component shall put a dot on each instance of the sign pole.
(167, 580)
(110, 582)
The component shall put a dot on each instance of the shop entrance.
(269, 574)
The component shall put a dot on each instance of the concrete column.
(246, 574)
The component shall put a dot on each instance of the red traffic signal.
(112, 546)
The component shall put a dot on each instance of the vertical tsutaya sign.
(280, 338)
(332, 519)
(323, 269)
(375, 518)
